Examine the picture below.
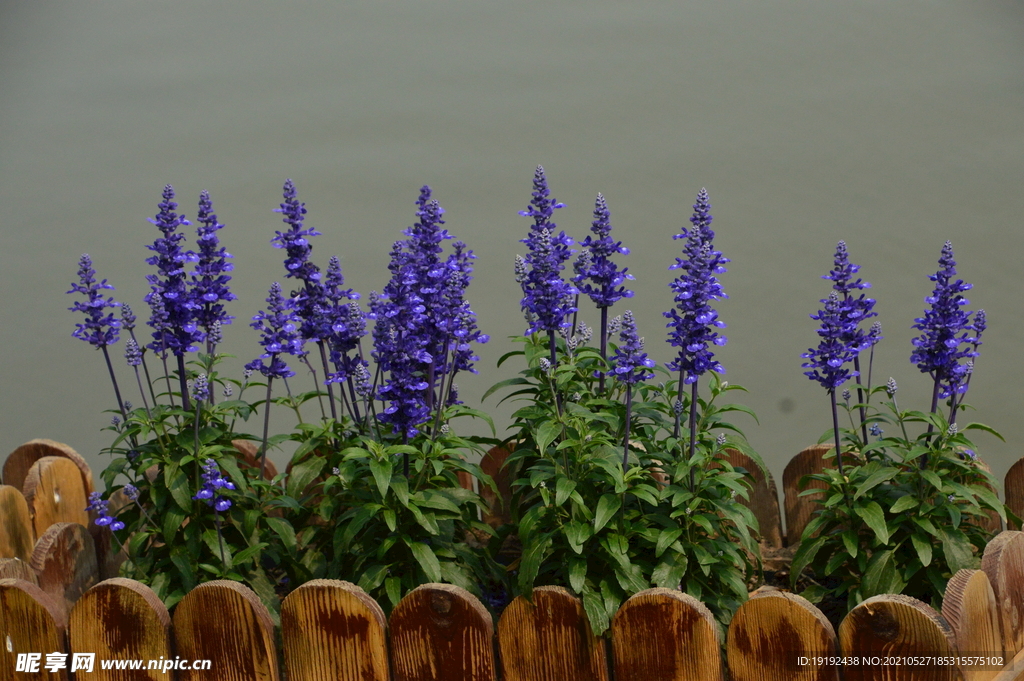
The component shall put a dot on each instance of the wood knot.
(441, 602)
(884, 626)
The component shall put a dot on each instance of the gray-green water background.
(892, 125)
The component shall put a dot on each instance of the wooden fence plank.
(897, 627)
(667, 635)
(798, 508)
(225, 622)
(15, 568)
(771, 631)
(30, 622)
(1013, 490)
(16, 533)
(65, 561)
(764, 499)
(550, 639)
(121, 619)
(1014, 671)
(18, 462)
(970, 607)
(441, 631)
(55, 494)
(1003, 562)
(333, 631)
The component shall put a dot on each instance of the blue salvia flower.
(132, 492)
(459, 320)
(213, 482)
(295, 239)
(210, 279)
(174, 324)
(596, 274)
(858, 308)
(98, 504)
(693, 320)
(827, 363)
(345, 321)
(99, 328)
(201, 388)
(945, 326)
(279, 327)
(630, 363)
(132, 353)
(547, 298)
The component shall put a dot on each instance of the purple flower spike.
(174, 311)
(827, 363)
(596, 274)
(98, 504)
(547, 298)
(210, 279)
(279, 326)
(630, 362)
(132, 353)
(693, 321)
(295, 239)
(855, 309)
(946, 326)
(99, 329)
(213, 482)
(201, 388)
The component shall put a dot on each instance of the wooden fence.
(52, 601)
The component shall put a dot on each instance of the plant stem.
(860, 400)
(266, 423)
(145, 402)
(835, 430)
(693, 431)
(113, 380)
(183, 382)
(330, 389)
(167, 377)
(604, 347)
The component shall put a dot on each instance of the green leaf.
(244, 555)
(933, 479)
(177, 484)
(923, 548)
(957, 550)
(576, 533)
(173, 517)
(284, 530)
(426, 559)
(804, 555)
(577, 573)
(563, 488)
(904, 503)
(881, 576)
(381, 470)
(518, 380)
(607, 506)
(874, 516)
(987, 429)
(926, 525)
(593, 605)
(303, 474)
(372, 577)
(390, 519)
(665, 539)
(850, 542)
(393, 588)
(529, 566)
(875, 479)
(546, 434)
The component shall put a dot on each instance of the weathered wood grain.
(763, 501)
(550, 639)
(441, 631)
(65, 561)
(667, 635)
(17, 536)
(1013, 490)
(18, 462)
(15, 568)
(121, 619)
(55, 493)
(799, 509)
(970, 607)
(771, 631)
(1003, 562)
(30, 622)
(333, 631)
(225, 622)
(897, 627)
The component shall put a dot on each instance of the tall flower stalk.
(210, 279)
(547, 298)
(597, 275)
(173, 319)
(693, 321)
(630, 366)
(99, 329)
(278, 325)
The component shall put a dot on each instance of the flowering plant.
(899, 513)
(608, 499)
